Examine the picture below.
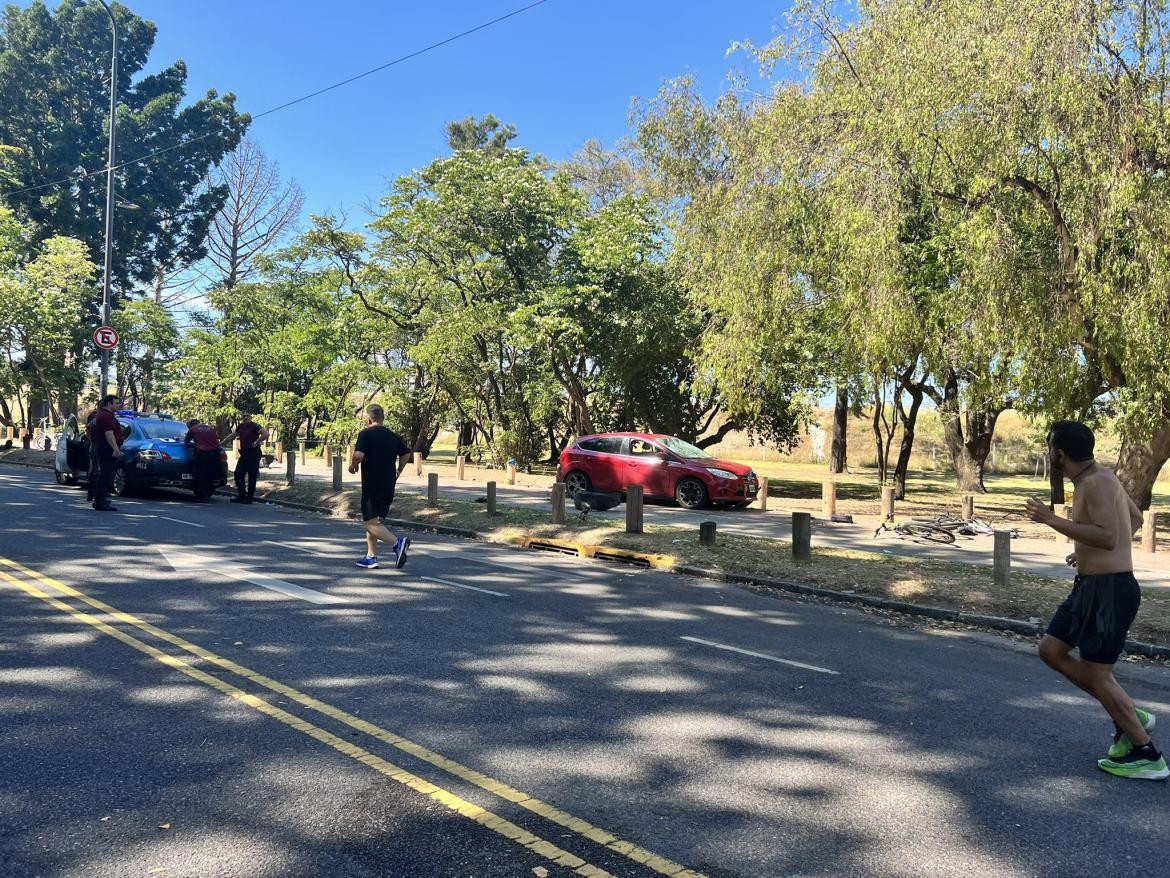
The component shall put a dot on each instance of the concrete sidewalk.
(1041, 557)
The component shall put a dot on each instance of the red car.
(663, 465)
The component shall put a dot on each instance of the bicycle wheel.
(926, 532)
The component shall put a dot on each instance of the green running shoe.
(1136, 767)
(1121, 744)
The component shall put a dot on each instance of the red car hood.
(731, 466)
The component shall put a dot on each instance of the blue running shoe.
(400, 548)
(370, 563)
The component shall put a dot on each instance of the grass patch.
(30, 456)
(933, 583)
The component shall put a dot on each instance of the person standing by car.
(251, 436)
(107, 439)
(382, 456)
(90, 456)
(203, 438)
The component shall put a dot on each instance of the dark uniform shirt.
(105, 422)
(248, 434)
(204, 437)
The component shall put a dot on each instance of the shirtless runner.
(1096, 616)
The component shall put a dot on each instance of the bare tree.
(258, 211)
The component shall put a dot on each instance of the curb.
(586, 550)
(667, 562)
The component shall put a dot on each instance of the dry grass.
(934, 583)
(30, 456)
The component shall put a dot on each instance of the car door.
(76, 455)
(605, 465)
(645, 465)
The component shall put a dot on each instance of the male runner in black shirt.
(382, 456)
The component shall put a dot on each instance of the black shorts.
(376, 502)
(1096, 615)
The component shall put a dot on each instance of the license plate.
(186, 476)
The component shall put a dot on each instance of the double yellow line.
(461, 806)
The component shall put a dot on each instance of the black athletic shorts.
(1096, 615)
(376, 502)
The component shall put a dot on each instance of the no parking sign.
(105, 337)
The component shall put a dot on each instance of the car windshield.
(163, 431)
(684, 449)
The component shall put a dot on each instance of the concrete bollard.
(290, 472)
(280, 452)
(302, 449)
(634, 498)
(491, 498)
(432, 489)
(968, 507)
(707, 534)
(828, 499)
(762, 496)
(460, 463)
(511, 474)
(418, 463)
(1001, 559)
(236, 448)
(1149, 532)
(802, 535)
(328, 456)
(1066, 511)
(558, 503)
(338, 463)
(887, 502)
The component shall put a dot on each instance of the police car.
(153, 454)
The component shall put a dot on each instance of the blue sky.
(561, 73)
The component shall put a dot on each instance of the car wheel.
(63, 478)
(121, 483)
(690, 493)
(577, 481)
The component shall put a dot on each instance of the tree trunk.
(1140, 461)
(908, 418)
(882, 435)
(838, 455)
(466, 436)
(1055, 484)
(968, 437)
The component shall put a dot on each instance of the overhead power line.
(292, 103)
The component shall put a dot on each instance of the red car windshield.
(684, 449)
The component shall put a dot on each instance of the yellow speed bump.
(588, 550)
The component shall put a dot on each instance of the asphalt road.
(205, 690)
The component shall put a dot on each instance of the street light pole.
(105, 380)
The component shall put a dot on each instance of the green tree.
(42, 293)
(53, 88)
(485, 133)
(149, 339)
(1041, 127)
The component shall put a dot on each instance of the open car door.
(76, 452)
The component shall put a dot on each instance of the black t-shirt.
(381, 448)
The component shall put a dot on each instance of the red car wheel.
(690, 493)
